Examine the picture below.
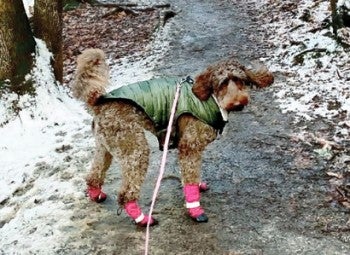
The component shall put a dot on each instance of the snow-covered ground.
(44, 150)
(28, 138)
(31, 149)
(43, 154)
(316, 67)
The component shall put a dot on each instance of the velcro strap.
(192, 204)
(140, 218)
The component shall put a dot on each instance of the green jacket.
(156, 97)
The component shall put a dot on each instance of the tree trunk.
(336, 20)
(16, 43)
(48, 26)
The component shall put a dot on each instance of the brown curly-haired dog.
(119, 125)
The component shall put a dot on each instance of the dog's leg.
(100, 164)
(194, 137)
(131, 148)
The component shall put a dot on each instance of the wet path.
(204, 32)
(262, 200)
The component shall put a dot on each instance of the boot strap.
(192, 204)
(140, 218)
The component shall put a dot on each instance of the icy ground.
(44, 152)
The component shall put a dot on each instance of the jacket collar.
(223, 112)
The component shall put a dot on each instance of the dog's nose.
(239, 107)
(244, 101)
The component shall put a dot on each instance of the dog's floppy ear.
(259, 75)
(203, 87)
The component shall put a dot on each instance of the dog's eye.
(224, 82)
(240, 84)
(238, 81)
(235, 79)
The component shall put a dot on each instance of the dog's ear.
(203, 87)
(259, 75)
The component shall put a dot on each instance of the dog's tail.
(259, 75)
(91, 78)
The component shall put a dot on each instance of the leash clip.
(188, 79)
(119, 211)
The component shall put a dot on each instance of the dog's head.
(228, 81)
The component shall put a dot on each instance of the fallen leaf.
(337, 175)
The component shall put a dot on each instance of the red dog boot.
(134, 211)
(192, 198)
(96, 194)
(203, 186)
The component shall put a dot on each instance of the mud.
(267, 191)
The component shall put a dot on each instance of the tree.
(16, 44)
(340, 16)
(47, 25)
(336, 19)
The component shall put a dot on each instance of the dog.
(120, 121)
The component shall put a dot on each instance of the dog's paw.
(203, 186)
(144, 222)
(197, 214)
(201, 218)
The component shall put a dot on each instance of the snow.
(27, 149)
(43, 154)
(345, 3)
(40, 180)
(30, 136)
(28, 6)
(321, 78)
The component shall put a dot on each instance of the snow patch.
(32, 135)
(44, 153)
(316, 66)
(28, 6)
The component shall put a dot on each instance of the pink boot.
(96, 194)
(203, 186)
(192, 198)
(134, 211)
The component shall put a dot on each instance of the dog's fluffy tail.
(91, 78)
(259, 75)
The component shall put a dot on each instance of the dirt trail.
(262, 200)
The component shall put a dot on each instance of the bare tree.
(48, 26)
(336, 19)
(340, 16)
(16, 43)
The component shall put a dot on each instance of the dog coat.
(156, 97)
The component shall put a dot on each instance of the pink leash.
(165, 152)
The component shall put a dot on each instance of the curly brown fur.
(91, 78)
(260, 76)
(194, 137)
(119, 126)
